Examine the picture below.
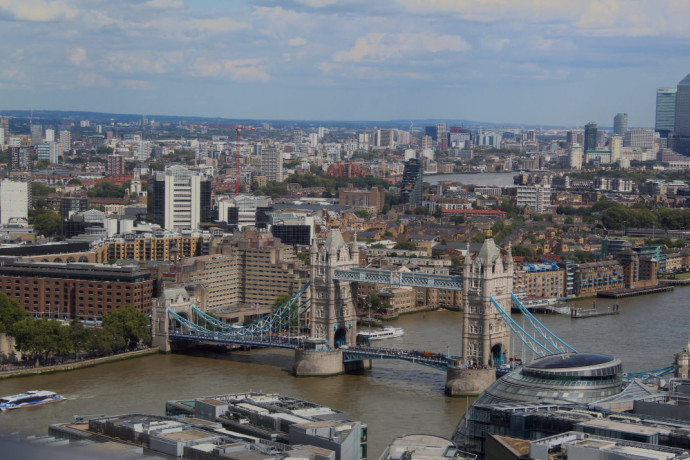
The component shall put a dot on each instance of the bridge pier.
(468, 382)
(313, 363)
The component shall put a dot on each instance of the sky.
(532, 62)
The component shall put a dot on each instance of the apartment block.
(539, 280)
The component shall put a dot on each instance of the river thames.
(394, 398)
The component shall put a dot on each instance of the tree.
(126, 323)
(421, 210)
(374, 300)
(363, 213)
(74, 181)
(46, 222)
(78, 334)
(39, 189)
(106, 189)
(280, 300)
(405, 246)
(523, 251)
(304, 257)
(35, 338)
(10, 313)
(457, 220)
(42, 164)
(438, 212)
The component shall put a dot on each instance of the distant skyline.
(532, 62)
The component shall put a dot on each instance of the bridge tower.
(485, 337)
(332, 315)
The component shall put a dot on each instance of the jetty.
(634, 292)
(577, 313)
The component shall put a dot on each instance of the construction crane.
(238, 129)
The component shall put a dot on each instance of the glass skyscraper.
(620, 124)
(665, 111)
(681, 130)
(590, 136)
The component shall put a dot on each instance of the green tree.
(42, 164)
(523, 251)
(421, 210)
(405, 246)
(79, 335)
(10, 313)
(39, 189)
(46, 222)
(363, 213)
(304, 257)
(74, 181)
(129, 324)
(106, 189)
(36, 338)
(438, 212)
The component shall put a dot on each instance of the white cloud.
(381, 46)
(37, 10)
(78, 56)
(164, 4)
(297, 41)
(92, 79)
(236, 69)
(133, 62)
(218, 25)
(317, 3)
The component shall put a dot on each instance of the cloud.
(317, 3)
(237, 69)
(78, 56)
(164, 4)
(135, 84)
(92, 79)
(219, 25)
(144, 62)
(297, 41)
(378, 47)
(37, 10)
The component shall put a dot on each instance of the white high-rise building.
(144, 150)
(65, 140)
(14, 200)
(615, 145)
(272, 163)
(2, 136)
(50, 135)
(575, 156)
(182, 199)
(313, 140)
(536, 197)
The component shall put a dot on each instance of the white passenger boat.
(30, 398)
(386, 332)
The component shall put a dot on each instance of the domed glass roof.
(565, 361)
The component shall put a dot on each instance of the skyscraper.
(590, 136)
(413, 176)
(620, 124)
(272, 163)
(681, 130)
(14, 200)
(665, 111)
(181, 199)
(36, 134)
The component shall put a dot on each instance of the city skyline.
(520, 62)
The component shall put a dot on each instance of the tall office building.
(413, 177)
(5, 128)
(50, 135)
(48, 151)
(665, 111)
(65, 141)
(639, 138)
(590, 136)
(181, 199)
(14, 200)
(681, 130)
(575, 156)
(36, 134)
(272, 163)
(615, 145)
(19, 159)
(620, 124)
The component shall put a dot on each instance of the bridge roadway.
(350, 354)
(414, 279)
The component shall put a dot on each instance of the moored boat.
(386, 332)
(30, 398)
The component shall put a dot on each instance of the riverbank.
(77, 364)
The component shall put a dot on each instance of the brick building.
(606, 275)
(370, 200)
(539, 280)
(74, 290)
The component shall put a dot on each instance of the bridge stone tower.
(485, 337)
(332, 314)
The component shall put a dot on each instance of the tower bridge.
(327, 344)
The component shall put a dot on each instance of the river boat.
(30, 398)
(386, 332)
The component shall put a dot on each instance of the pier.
(633, 292)
(576, 313)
